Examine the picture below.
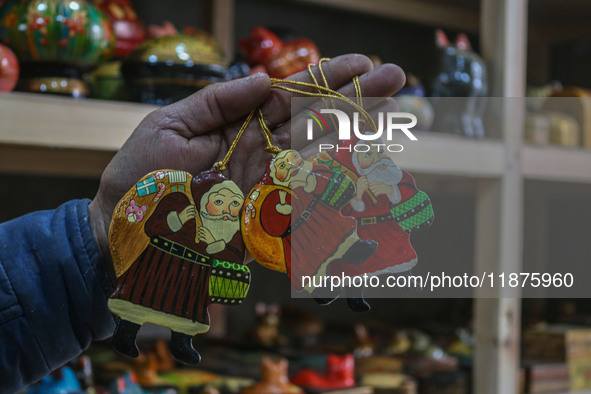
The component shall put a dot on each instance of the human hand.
(187, 214)
(194, 133)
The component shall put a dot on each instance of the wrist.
(99, 222)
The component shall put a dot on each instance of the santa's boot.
(182, 349)
(355, 299)
(325, 295)
(360, 251)
(124, 338)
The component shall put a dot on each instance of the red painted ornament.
(340, 374)
(388, 207)
(280, 59)
(128, 29)
(9, 69)
(291, 222)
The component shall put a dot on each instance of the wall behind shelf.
(180, 13)
(337, 31)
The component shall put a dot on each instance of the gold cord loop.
(319, 91)
(268, 135)
(222, 165)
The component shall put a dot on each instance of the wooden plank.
(446, 154)
(427, 13)
(504, 45)
(499, 215)
(222, 26)
(40, 120)
(536, 236)
(34, 120)
(83, 163)
(555, 163)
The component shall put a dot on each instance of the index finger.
(338, 72)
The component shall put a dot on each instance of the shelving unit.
(49, 135)
(99, 128)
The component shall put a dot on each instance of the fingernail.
(258, 75)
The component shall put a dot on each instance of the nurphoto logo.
(388, 122)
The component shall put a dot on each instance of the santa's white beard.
(391, 174)
(387, 172)
(218, 227)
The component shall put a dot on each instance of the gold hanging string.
(321, 72)
(222, 165)
(326, 85)
(268, 135)
(325, 81)
(323, 92)
(358, 91)
(327, 93)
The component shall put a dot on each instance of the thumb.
(220, 104)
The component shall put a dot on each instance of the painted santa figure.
(192, 235)
(388, 206)
(302, 208)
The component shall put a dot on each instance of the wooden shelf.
(50, 135)
(445, 154)
(54, 135)
(39, 120)
(555, 163)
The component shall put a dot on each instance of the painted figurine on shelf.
(62, 380)
(9, 69)
(265, 52)
(266, 331)
(128, 29)
(56, 42)
(339, 374)
(319, 234)
(387, 205)
(177, 247)
(460, 73)
(274, 379)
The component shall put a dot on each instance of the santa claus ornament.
(387, 206)
(177, 247)
(292, 223)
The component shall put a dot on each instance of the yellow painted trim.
(140, 314)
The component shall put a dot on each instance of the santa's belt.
(375, 219)
(179, 250)
(305, 215)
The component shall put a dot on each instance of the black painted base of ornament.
(52, 78)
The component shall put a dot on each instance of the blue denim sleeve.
(53, 293)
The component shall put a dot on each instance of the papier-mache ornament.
(177, 247)
(388, 206)
(292, 222)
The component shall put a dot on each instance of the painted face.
(224, 202)
(286, 163)
(367, 159)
